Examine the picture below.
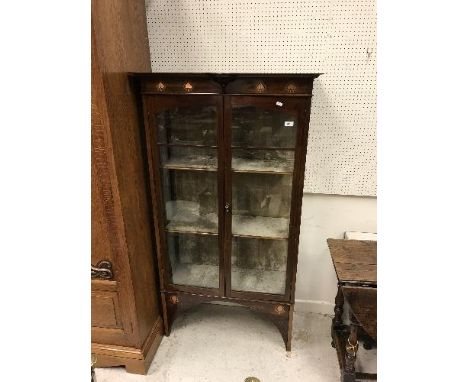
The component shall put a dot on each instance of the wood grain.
(354, 260)
(363, 304)
(122, 222)
(291, 92)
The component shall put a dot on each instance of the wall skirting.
(310, 306)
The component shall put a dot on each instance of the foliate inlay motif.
(280, 309)
(102, 270)
(291, 88)
(260, 87)
(188, 87)
(161, 87)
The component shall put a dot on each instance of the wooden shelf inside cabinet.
(259, 227)
(227, 170)
(259, 282)
(260, 166)
(186, 144)
(175, 165)
(178, 229)
(200, 275)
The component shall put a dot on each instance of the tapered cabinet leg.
(282, 317)
(290, 328)
(171, 303)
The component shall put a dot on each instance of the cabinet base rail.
(280, 313)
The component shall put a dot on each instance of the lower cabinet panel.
(105, 311)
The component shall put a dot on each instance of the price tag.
(278, 103)
(288, 123)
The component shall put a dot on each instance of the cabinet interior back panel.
(334, 37)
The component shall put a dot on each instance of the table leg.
(337, 321)
(349, 371)
(339, 302)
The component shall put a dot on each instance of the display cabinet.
(226, 158)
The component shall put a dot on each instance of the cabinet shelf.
(178, 229)
(201, 275)
(187, 145)
(256, 280)
(275, 148)
(193, 164)
(260, 227)
(261, 166)
(184, 217)
(238, 166)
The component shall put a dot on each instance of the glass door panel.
(259, 265)
(186, 137)
(263, 140)
(256, 160)
(261, 205)
(196, 124)
(190, 200)
(194, 259)
(189, 158)
(261, 127)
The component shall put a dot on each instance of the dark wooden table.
(355, 263)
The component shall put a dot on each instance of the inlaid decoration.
(161, 87)
(260, 87)
(188, 87)
(102, 270)
(291, 88)
(280, 309)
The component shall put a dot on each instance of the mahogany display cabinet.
(226, 157)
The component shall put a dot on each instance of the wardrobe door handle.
(227, 208)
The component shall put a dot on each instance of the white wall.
(323, 217)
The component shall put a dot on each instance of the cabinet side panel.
(298, 189)
(121, 40)
(100, 235)
(108, 239)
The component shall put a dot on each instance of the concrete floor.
(224, 343)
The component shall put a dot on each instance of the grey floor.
(224, 343)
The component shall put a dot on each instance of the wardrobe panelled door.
(226, 158)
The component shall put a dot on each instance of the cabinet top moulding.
(289, 84)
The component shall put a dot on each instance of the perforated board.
(335, 37)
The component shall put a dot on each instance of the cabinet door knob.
(227, 208)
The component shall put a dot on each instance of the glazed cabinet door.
(185, 136)
(262, 149)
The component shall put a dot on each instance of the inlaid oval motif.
(188, 87)
(291, 88)
(160, 87)
(174, 299)
(280, 309)
(260, 87)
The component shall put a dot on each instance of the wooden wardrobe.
(126, 321)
